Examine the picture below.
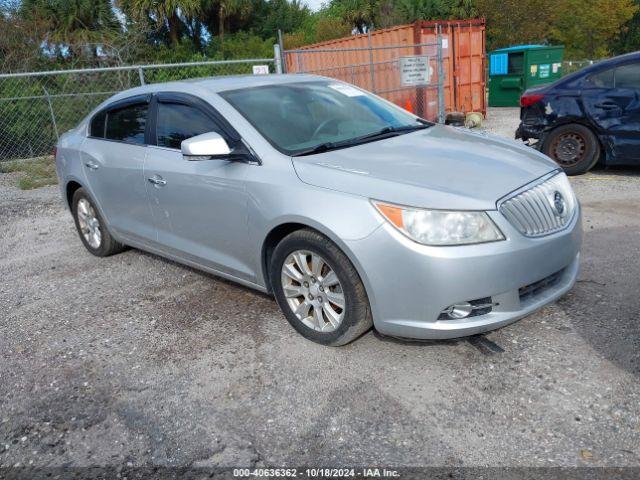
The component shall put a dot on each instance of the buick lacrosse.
(352, 212)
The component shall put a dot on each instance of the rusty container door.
(464, 57)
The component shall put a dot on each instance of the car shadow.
(212, 276)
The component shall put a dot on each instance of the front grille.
(534, 289)
(542, 209)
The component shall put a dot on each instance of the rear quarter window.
(96, 128)
(604, 79)
(127, 124)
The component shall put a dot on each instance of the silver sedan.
(352, 212)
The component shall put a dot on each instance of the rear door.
(113, 158)
(199, 207)
(612, 101)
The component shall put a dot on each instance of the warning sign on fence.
(415, 70)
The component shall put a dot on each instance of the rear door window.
(127, 124)
(628, 76)
(177, 122)
(601, 80)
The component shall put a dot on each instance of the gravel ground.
(137, 360)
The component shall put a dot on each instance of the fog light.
(472, 308)
(459, 310)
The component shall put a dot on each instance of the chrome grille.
(541, 209)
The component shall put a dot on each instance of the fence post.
(141, 74)
(371, 72)
(53, 117)
(277, 59)
(283, 63)
(441, 105)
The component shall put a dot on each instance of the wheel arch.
(70, 188)
(281, 230)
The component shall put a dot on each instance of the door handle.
(157, 180)
(91, 165)
(607, 105)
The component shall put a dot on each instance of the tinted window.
(601, 80)
(97, 125)
(177, 122)
(628, 76)
(127, 124)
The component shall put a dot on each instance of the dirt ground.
(136, 360)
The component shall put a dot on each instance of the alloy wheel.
(89, 223)
(313, 291)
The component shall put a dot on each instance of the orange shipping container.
(351, 59)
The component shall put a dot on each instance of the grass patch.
(35, 173)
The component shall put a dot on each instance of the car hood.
(439, 167)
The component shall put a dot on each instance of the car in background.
(590, 115)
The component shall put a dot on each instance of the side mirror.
(207, 146)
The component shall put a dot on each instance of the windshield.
(299, 118)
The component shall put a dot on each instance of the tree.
(588, 28)
(328, 28)
(72, 23)
(407, 11)
(164, 13)
(21, 40)
(285, 15)
(218, 15)
(516, 22)
(360, 14)
(628, 40)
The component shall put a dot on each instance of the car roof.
(217, 84)
(597, 67)
(220, 84)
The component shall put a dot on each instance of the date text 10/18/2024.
(316, 472)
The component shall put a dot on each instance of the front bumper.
(409, 284)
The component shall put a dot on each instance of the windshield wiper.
(386, 132)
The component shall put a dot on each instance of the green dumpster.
(515, 69)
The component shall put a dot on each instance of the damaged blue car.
(589, 116)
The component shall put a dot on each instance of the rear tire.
(574, 147)
(322, 285)
(91, 226)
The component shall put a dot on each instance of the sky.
(314, 4)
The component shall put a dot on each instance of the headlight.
(441, 227)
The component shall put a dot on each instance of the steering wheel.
(323, 125)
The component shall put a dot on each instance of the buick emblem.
(559, 204)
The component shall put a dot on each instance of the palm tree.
(72, 22)
(164, 13)
(359, 13)
(226, 8)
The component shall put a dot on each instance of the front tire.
(574, 147)
(92, 227)
(318, 289)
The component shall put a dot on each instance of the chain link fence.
(411, 76)
(570, 66)
(35, 108)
